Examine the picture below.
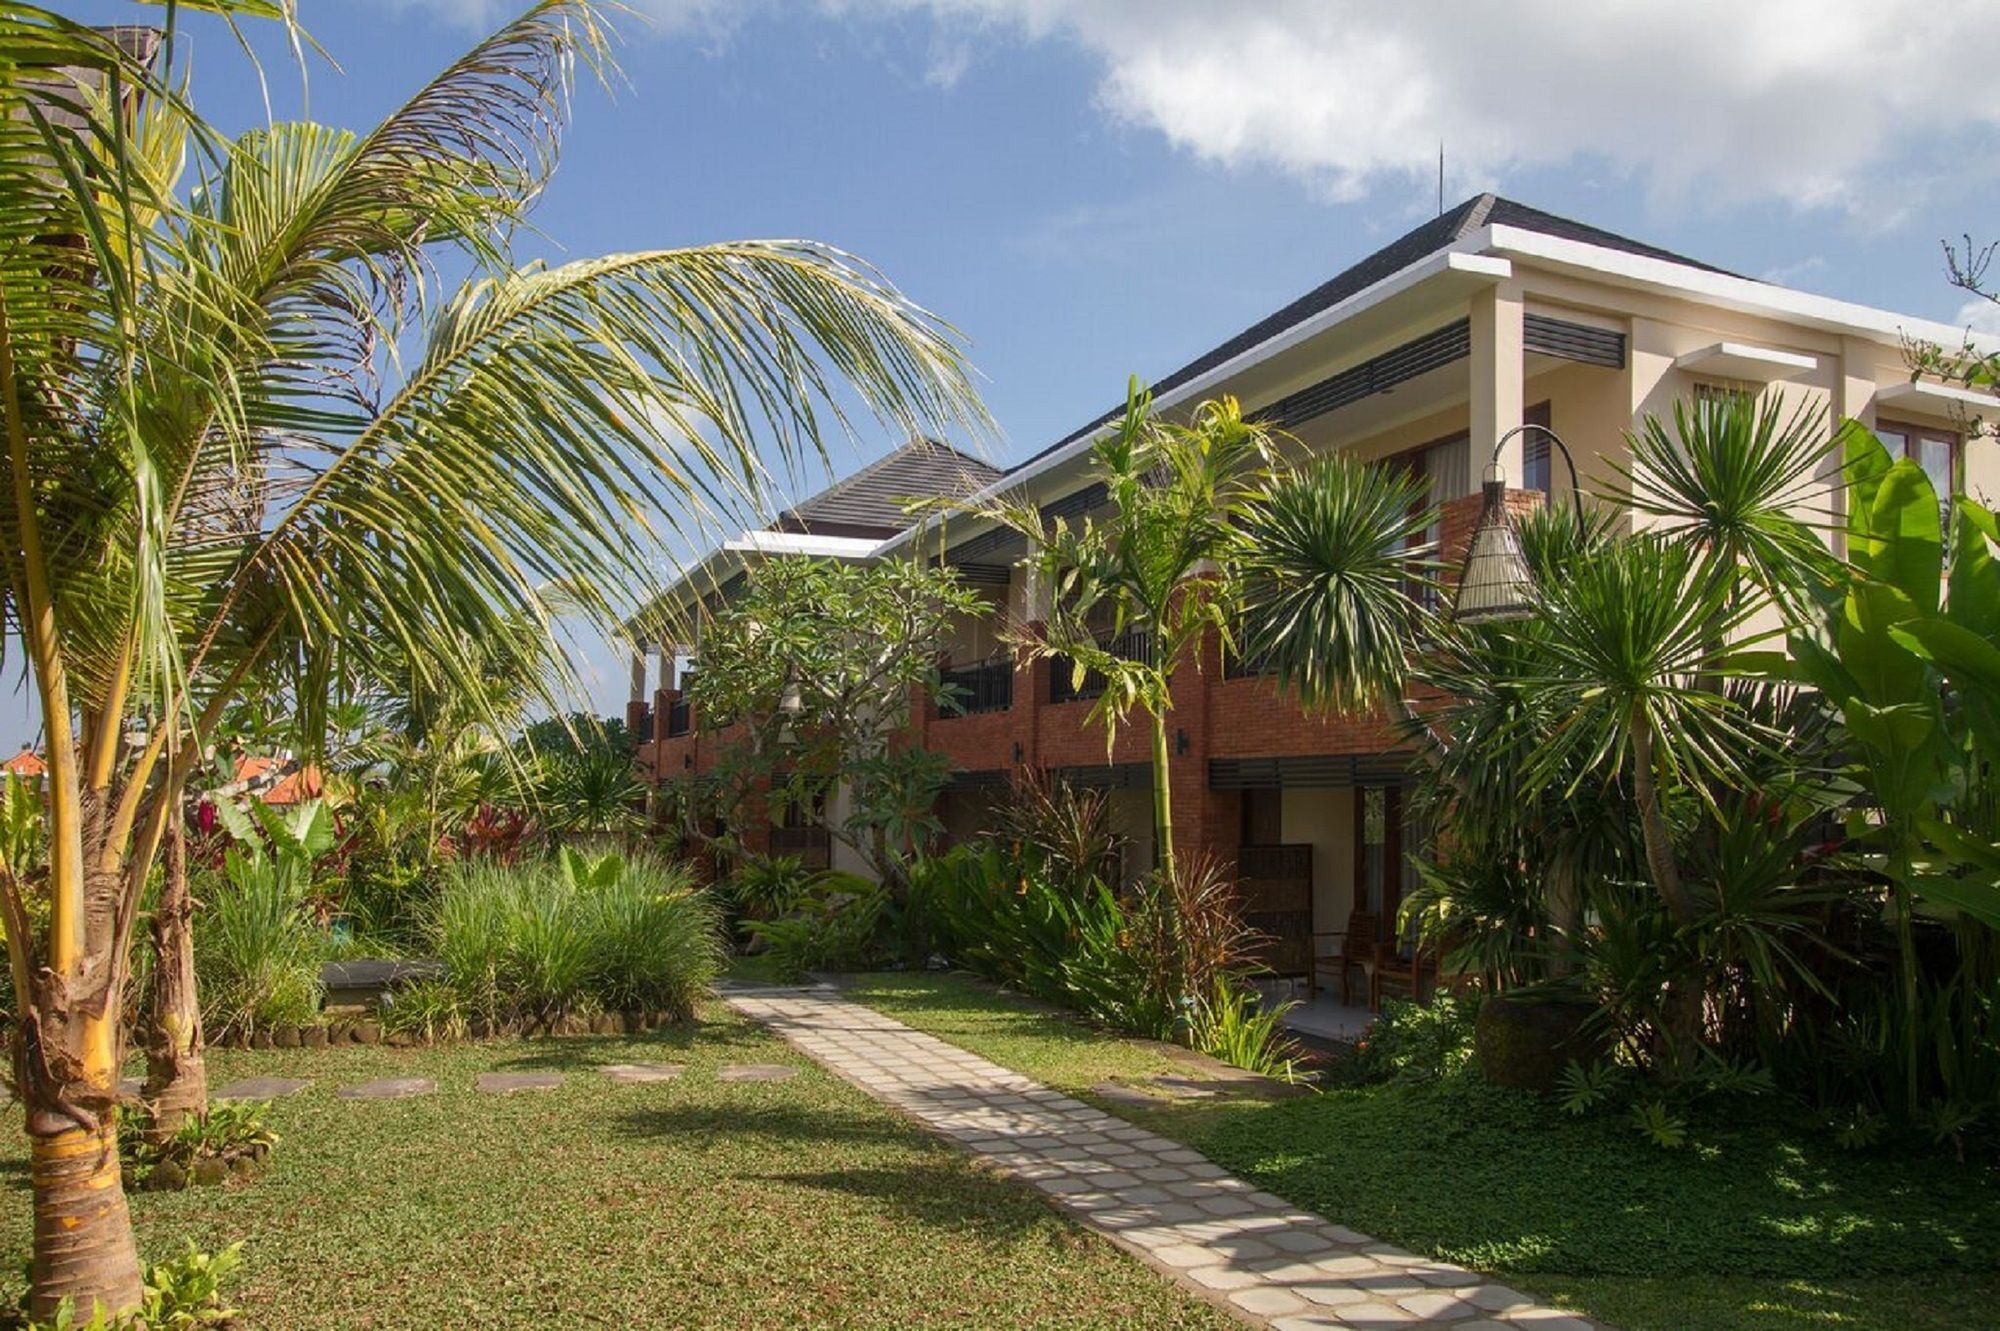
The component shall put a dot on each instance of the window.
(1935, 450)
(1536, 460)
(1722, 393)
(1439, 468)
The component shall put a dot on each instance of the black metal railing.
(642, 723)
(985, 687)
(1131, 645)
(680, 718)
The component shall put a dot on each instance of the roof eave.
(1456, 261)
(1740, 294)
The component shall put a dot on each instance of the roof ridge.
(1477, 210)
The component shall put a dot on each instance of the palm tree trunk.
(84, 1251)
(1163, 797)
(1681, 1008)
(176, 1068)
(1653, 828)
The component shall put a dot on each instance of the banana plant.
(1909, 657)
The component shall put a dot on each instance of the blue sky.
(1094, 188)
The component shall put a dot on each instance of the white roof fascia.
(1742, 361)
(1721, 289)
(1935, 396)
(1458, 259)
(712, 570)
(802, 543)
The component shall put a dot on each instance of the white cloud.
(1842, 104)
(1703, 99)
(1980, 316)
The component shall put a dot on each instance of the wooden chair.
(1401, 966)
(1343, 952)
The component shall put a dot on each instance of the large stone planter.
(1525, 1044)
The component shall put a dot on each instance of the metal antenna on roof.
(1440, 177)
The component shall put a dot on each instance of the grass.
(1760, 1223)
(685, 1204)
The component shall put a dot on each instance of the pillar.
(1496, 368)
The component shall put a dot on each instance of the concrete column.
(1495, 372)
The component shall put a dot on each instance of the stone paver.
(507, 1083)
(641, 1074)
(389, 1088)
(756, 1072)
(261, 1088)
(1271, 1263)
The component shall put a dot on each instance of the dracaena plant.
(250, 429)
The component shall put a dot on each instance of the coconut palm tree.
(1161, 561)
(249, 428)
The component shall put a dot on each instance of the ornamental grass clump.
(535, 942)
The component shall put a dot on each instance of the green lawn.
(689, 1204)
(1753, 1226)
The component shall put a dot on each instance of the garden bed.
(369, 1030)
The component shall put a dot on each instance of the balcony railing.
(1131, 645)
(985, 687)
(680, 718)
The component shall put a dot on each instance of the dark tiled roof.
(870, 502)
(1434, 235)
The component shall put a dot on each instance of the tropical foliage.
(221, 465)
(808, 675)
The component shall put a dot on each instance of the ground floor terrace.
(1314, 813)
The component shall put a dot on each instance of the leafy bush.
(547, 938)
(229, 1129)
(1234, 1025)
(1146, 960)
(1419, 1042)
(837, 922)
(258, 944)
(179, 1294)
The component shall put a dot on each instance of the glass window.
(1537, 465)
(1935, 450)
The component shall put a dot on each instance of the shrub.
(257, 951)
(837, 922)
(426, 1009)
(1419, 1042)
(1234, 1025)
(543, 939)
(179, 1294)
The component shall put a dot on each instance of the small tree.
(819, 661)
(1162, 561)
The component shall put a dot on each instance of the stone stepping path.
(1272, 1263)
(510, 1083)
(641, 1074)
(756, 1072)
(389, 1088)
(260, 1088)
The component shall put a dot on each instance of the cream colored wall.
(1324, 820)
(976, 637)
(843, 857)
(1132, 818)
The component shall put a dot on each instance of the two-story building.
(1425, 353)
